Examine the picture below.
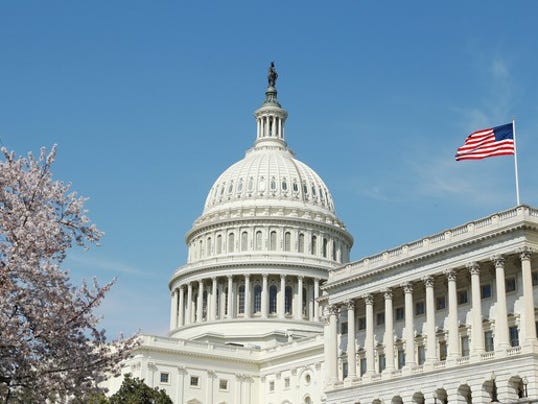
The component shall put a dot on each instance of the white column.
(333, 345)
(181, 317)
(200, 304)
(223, 299)
(188, 316)
(282, 297)
(369, 339)
(213, 308)
(477, 330)
(351, 358)
(299, 305)
(529, 337)
(316, 295)
(501, 313)
(431, 339)
(388, 338)
(264, 296)
(409, 326)
(173, 309)
(229, 296)
(247, 295)
(453, 332)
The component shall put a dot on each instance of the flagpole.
(515, 160)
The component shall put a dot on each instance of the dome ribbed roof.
(269, 173)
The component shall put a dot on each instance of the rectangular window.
(535, 278)
(442, 350)
(400, 313)
(344, 370)
(510, 284)
(272, 385)
(194, 381)
(287, 383)
(514, 336)
(382, 362)
(223, 384)
(421, 354)
(401, 358)
(363, 366)
(165, 377)
(488, 339)
(420, 308)
(440, 303)
(462, 297)
(485, 290)
(380, 318)
(343, 328)
(465, 346)
(362, 323)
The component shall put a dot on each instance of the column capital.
(214, 279)
(247, 276)
(474, 268)
(229, 277)
(450, 274)
(350, 304)
(301, 277)
(333, 309)
(407, 287)
(200, 282)
(525, 253)
(265, 276)
(368, 299)
(498, 261)
(428, 281)
(282, 276)
(387, 293)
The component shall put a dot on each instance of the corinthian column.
(388, 338)
(332, 365)
(173, 309)
(431, 340)
(247, 296)
(188, 316)
(200, 304)
(369, 339)
(351, 359)
(453, 332)
(409, 326)
(528, 298)
(501, 316)
(181, 306)
(477, 331)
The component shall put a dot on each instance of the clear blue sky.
(150, 101)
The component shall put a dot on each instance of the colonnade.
(430, 355)
(227, 297)
(270, 125)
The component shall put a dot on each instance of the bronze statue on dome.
(272, 75)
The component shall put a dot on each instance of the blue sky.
(150, 101)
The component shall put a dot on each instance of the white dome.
(269, 174)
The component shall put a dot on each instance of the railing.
(487, 355)
(462, 360)
(439, 365)
(516, 350)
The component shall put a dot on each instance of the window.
(462, 297)
(273, 184)
(195, 380)
(287, 241)
(258, 240)
(240, 185)
(272, 241)
(325, 244)
(343, 328)
(313, 245)
(440, 303)
(231, 240)
(510, 284)
(257, 299)
(485, 290)
(344, 370)
(288, 296)
(284, 184)
(535, 278)
(362, 366)
(223, 384)
(382, 362)
(334, 250)
(488, 338)
(465, 346)
(272, 385)
(241, 308)
(219, 244)
(420, 308)
(362, 323)
(421, 354)
(401, 358)
(295, 185)
(442, 350)
(251, 184)
(514, 336)
(380, 318)
(307, 378)
(273, 292)
(244, 241)
(301, 243)
(305, 307)
(165, 377)
(208, 245)
(400, 313)
(286, 382)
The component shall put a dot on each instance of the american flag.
(497, 141)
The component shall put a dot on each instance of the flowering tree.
(50, 346)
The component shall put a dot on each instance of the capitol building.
(269, 309)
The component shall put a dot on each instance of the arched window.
(226, 301)
(314, 246)
(244, 241)
(272, 241)
(287, 241)
(295, 185)
(305, 189)
(200, 249)
(334, 250)
(261, 184)
(231, 187)
(301, 243)
(241, 300)
(284, 184)
(204, 304)
(288, 300)
(258, 240)
(217, 301)
(325, 244)
(240, 185)
(219, 244)
(273, 292)
(273, 184)
(305, 307)
(251, 184)
(231, 240)
(257, 299)
(208, 246)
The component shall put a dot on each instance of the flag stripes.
(497, 141)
